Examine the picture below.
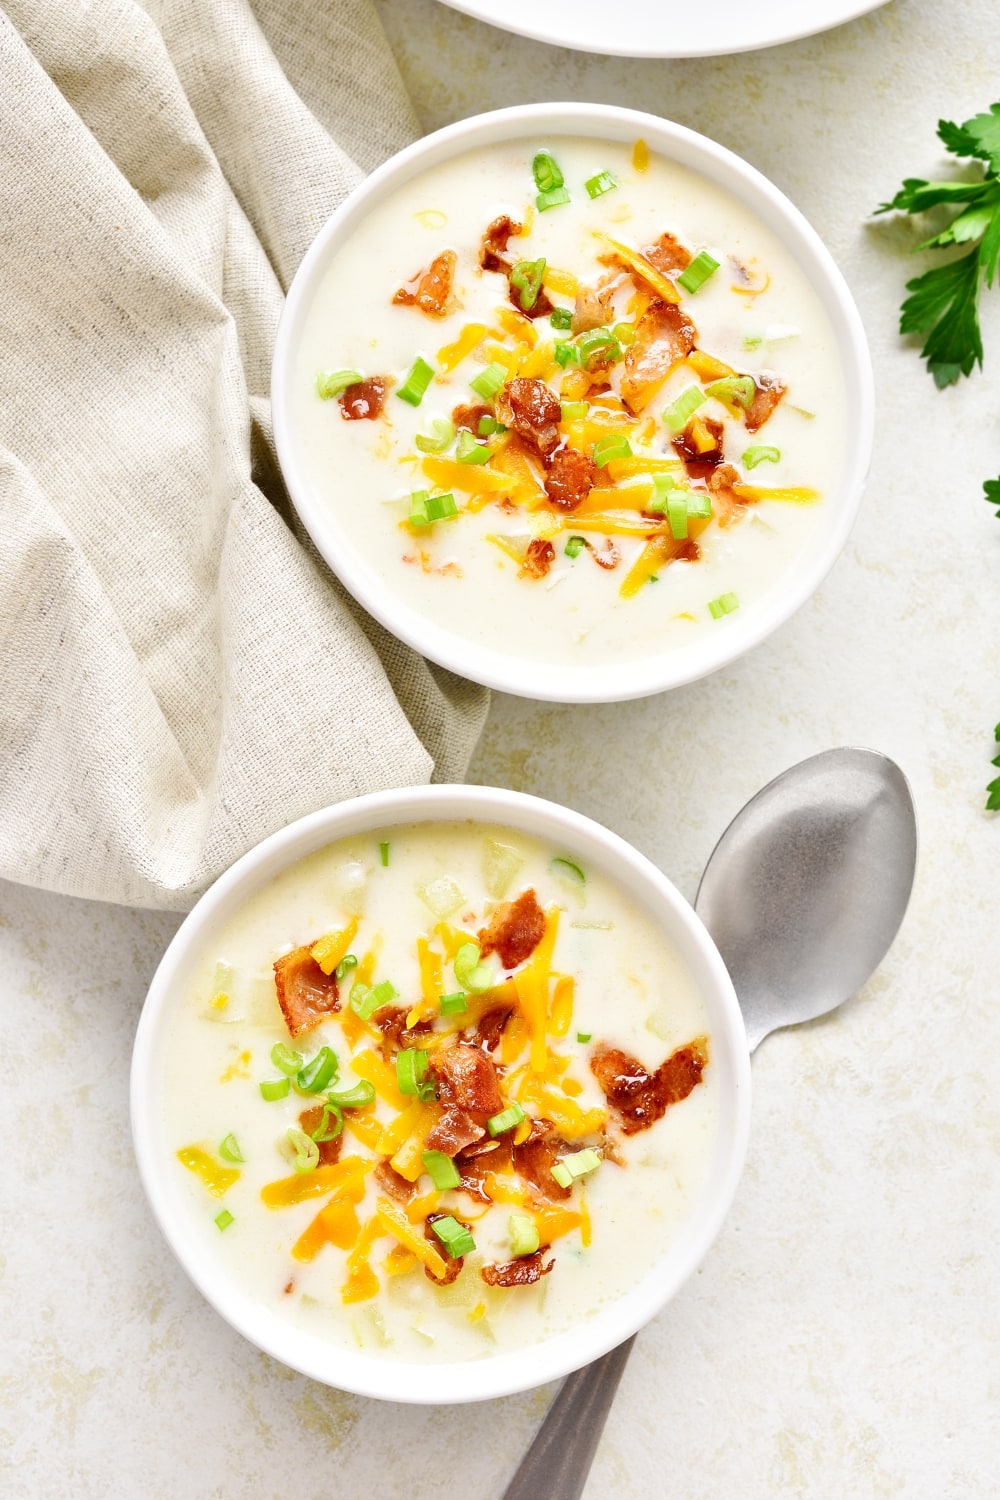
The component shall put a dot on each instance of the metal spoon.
(803, 895)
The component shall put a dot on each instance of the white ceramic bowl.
(500, 1374)
(627, 677)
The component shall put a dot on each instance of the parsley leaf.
(993, 789)
(943, 304)
(991, 489)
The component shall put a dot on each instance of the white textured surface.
(842, 1338)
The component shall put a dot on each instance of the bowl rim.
(502, 1374)
(624, 679)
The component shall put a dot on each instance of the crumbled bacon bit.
(306, 995)
(493, 251)
(590, 310)
(489, 1027)
(534, 1158)
(570, 478)
(538, 559)
(701, 465)
(639, 1098)
(515, 931)
(667, 254)
(469, 417)
(475, 1161)
(466, 1078)
(524, 1271)
(364, 400)
(727, 506)
(607, 557)
(430, 290)
(769, 390)
(391, 1021)
(396, 1186)
(329, 1151)
(540, 308)
(452, 1265)
(663, 337)
(533, 411)
(453, 1132)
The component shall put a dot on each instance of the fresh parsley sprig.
(991, 491)
(943, 303)
(993, 789)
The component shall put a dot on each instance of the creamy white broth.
(365, 471)
(631, 991)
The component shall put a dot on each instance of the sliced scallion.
(357, 1097)
(677, 514)
(567, 868)
(285, 1060)
(455, 1237)
(275, 1088)
(694, 275)
(733, 390)
(229, 1149)
(487, 426)
(332, 383)
(363, 1001)
(347, 963)
(760, 454)
(414, 387)
(546, 172)
(505, 1120)
(724, 605)
(599, 341)
(561, 317)
(453, 1004)
(411, 1071)
(224, 1219)
(573, 411)
(575, 546)
(442, 436)
(488, 382)
(584, 1036)
(468, 451)
(526, 278)
(699, 505)
(552, 199)
(470, 973)
(441, 1170)
(320, 1071)
(523, 1232)
(602, 183)
(569, 1168)
(305, 1148)
(564, 353)
(607, 448)
(331, 1123)
(383, 854)
(679, 412)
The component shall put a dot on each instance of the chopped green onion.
(276, 1088)
(697, 273)
(677, 514)
(564, 353)
(285, 1060)
(470, 973)
(523, 1233)
(624, 333)
(573, 411)
(724, 605)
(441, 1170)
(469, 451)
(608, 448)
(324, 1131)
(384, 993)
(363, 1001)
(602, 183)
(699, 505)
(526, 277)
(575, 545)
(761, 454)
(453, 1004)
(584, 1036)
(418, 508)
(224, 1219)
(414, 387)
(439, 508)
(347, 963)
(663, 487)
(598, 341)
(488, 426)
(561, 865)
(455, 1237)
(552, 199)
(443, 436)
(679, 413)
(546, 172)
(305, 1148)
(488, 382)
(561, 317)
(383, 854)
(333, 383)
(579, 1164)
(505, 1120)
(753, 340)
(411, 1071)
(357, 1097)
(734, 390)
(321, 1070)
(229, 1150)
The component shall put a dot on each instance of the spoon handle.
(558, 1462)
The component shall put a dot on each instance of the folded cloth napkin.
(179, 672)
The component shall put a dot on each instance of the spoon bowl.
(803, 895)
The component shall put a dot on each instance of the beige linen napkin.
(179, 673)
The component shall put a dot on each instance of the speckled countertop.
(842, 1337)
